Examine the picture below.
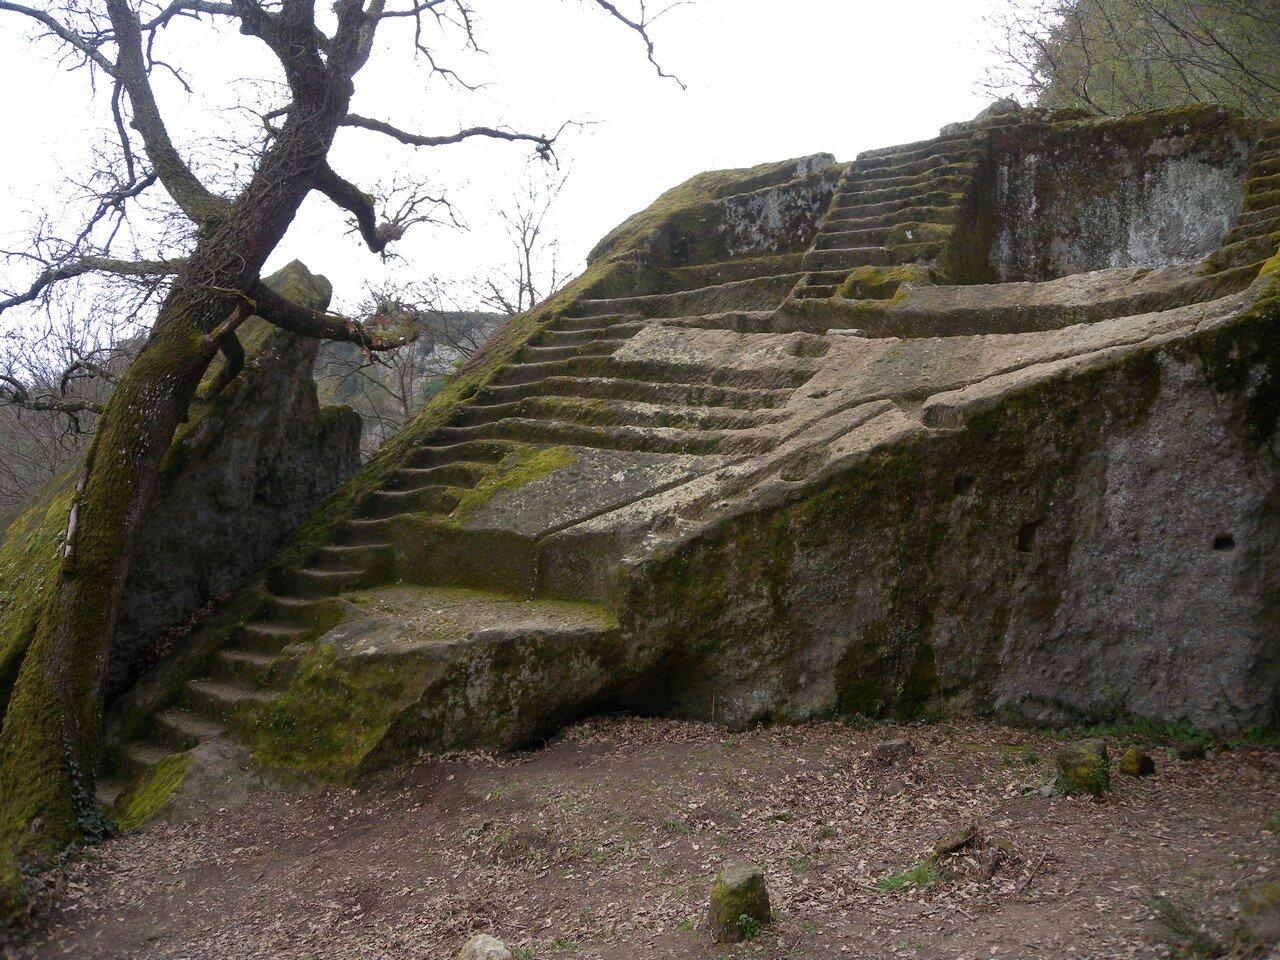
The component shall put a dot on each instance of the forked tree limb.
(91, 264)
(287, 315)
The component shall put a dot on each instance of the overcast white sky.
(768, 79)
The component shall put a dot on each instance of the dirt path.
(602, 844)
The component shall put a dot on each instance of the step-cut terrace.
(984, 423)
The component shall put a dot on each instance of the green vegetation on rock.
(148, 796)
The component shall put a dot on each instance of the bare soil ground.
(603, 844)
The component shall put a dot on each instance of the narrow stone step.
(314, 583)
(288, 614)
(872, 196)
(649, 439)
(586, 321)
(849, 258)
(460, 473)
(1259, 227)
(242, 666)
(107, 790)
(840, 220)
(433, 498)
(608, 388)
(182, 729)
(882, 179)
(1263, 167)
(218, 699)
(867, 210)
(1257, 185)
(899, 150)
(361, 556)
(591, 348)
(823, 291)
(1262, 201)
(868, 237)
(562, 338)
(531, 372)
(1250, 250)
(137, 758)
(440, 454)
(913, 165)
(624, 413)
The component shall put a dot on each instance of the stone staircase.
(1257, 231)
(892, 206)
(565, 388)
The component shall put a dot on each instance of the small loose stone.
(739, 903)
(483, 947)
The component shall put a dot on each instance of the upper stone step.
(849, 257)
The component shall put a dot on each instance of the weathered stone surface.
(891, 751)
(739, 903)
(822, 466)
(238, 482)
(483, 947)
(1136, 762)
(1084, 768)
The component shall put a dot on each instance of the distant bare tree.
(1116, 56)
(387, 389)
(533, 273)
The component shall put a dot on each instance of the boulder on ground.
(1136, 762)
(739, 903)
(1192, 750)
(891, 751)
(1260, 911)
(483, 947)
(1084, 768)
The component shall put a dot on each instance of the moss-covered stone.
(1136, 762)
(149, 795)
(739, 903)
(1084, 768)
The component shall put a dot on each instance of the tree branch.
(91, 264)
(65, 34)
(360, 205)
(545, 145)
(287, 315)
(641, 27)
(199, 203)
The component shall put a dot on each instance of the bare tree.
(205, 289)
(1115, 56)
(533, 273)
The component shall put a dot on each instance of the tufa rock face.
(879, 438)
(241, 476)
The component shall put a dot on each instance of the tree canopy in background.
(1118, 56)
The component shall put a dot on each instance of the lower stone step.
(218, 699)
(182, 729)
(615, 388)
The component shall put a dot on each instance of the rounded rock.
(1084, 769)
(1136, 762)
(739, 903)
(483, 947)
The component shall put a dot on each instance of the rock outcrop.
(241, 475)
(919, 434)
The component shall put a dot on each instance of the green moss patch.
(517, 469)
(920, 877)
(328, 719)
(152, 792)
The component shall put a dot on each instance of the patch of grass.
(1273, 824)
(923, 875)
(1023, 755)
(800, 865)
(1186, 931)
(749, 927)
(827, 833)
